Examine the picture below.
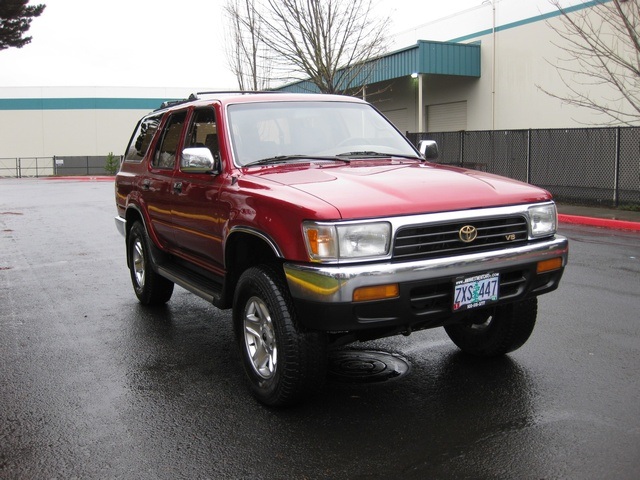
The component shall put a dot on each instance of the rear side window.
(141, 138)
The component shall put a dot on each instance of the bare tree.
(246, 52)
(15, 20)
(331, 43)
(602, 46)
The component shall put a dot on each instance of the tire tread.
(510, 328)
(301, 354)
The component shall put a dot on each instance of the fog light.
(379, 292)
(548, 265)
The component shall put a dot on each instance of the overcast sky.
(150, 43)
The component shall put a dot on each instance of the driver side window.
(203, 131)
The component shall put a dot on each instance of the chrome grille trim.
(430, 240)
(442, 218)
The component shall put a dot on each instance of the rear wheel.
(282, 363)
(495, 332)
(150, 288)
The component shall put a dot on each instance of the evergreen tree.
(15, 20)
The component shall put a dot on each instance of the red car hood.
(365, 189)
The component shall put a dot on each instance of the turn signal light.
(549, 265)
(379, 292)
(320, 242)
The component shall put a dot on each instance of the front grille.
(415, 242)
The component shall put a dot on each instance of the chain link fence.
(27, 167)
(590, 166)
(54, 166)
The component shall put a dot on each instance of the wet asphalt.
(93, 385)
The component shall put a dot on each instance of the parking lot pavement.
(94, 385)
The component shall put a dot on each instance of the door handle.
(146, 184)
(177, 187)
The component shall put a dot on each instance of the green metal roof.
(425, 57)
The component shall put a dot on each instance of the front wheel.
(491, 333)
(282, 363)
(150, 288)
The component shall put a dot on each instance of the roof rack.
(196, 96)
(237, 92)
(171, 103)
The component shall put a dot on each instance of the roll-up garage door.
(447, 117)
(398, 118)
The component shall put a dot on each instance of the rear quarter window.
(141, 139)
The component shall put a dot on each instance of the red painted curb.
(599, 222)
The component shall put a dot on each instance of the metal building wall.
(73, 121)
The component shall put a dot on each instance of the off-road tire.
(150, 288)
(496, 332)
(282, 362)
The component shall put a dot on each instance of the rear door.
(157, 185)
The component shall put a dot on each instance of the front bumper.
(121, 225)
(323, 294)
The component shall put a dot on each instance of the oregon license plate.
(477, 291)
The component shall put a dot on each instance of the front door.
(197, 214)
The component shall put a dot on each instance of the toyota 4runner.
(320, 224)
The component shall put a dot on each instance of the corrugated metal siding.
(304, 86)
(426, 57)
(430, 58)
(449, 59)
(398, 64)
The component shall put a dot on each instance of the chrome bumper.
(336, 284)
(121, 225)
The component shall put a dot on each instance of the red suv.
(320, 224)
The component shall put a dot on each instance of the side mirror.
(428, 149)
(198, 160)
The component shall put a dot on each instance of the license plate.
(477, 291)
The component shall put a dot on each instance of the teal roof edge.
(526, 21)
(425, 57)
(81, 103)
(431, 58)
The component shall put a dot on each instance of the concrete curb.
(599, 222)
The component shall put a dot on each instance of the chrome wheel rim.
(137, 260)
(260, 338)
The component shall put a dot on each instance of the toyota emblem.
(468, 233)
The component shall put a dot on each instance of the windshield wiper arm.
(367, 153)
(287, 158)
(363, 153)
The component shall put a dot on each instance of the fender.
(262, 236)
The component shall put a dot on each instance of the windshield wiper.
(288, 158)
(370, 154)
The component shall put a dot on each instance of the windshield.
(322, 130)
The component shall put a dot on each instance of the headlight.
(543, 220)
(334, 242)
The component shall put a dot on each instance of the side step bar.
(194, 282)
